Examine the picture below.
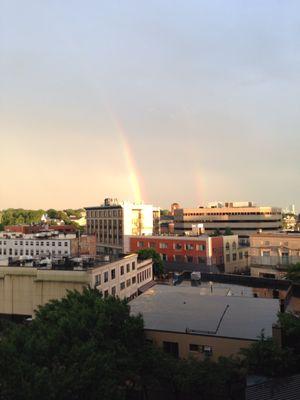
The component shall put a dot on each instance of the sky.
(161, 101)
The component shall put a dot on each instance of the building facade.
(272, 253)
(202, 249)
(23, 289)
(236, 256)
(113, 220)
(242, 219)
(46, 244)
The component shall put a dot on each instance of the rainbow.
(133, 176)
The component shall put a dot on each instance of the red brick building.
(198, 250)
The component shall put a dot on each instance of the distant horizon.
(163, 207)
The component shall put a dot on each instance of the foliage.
(87, 347)
(216, 232)
(265, 357)
(290, 325)
(165, 212)
(82, 347)
(13, 216)
(228, 232)
(157, 261)
(293, 273)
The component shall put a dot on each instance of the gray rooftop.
(178, 309)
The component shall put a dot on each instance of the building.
(241, 218)
(46, 244)
(23, 289)
(185, 323)
(174, 206)
(202, 249)
(272, 252)
(236, 256)
(37, 228)
(113, 220)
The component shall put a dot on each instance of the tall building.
(243, 218)
(114, 220)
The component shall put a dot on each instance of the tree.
(228, 231)
(290, 325)
(80, 347)
(293, 273)
(157, 261)
(265, 357)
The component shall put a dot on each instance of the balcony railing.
(282, 262)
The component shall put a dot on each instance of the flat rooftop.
(183, 309)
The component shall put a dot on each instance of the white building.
(48, 244)
(114, 220)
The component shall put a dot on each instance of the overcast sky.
(207, 95)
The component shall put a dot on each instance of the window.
(53, 243)
(59, 243)
(234, 257)
(164, 257)
(227, 246)
(66, 244)
(106, 276)
(201, 260)
(113, 291)
(233, 246)
(201, 247)
(133, 266)
(127, 267)
(10, 252)
(133, 280)
(42, 243)
(189, 247)
(163, 245)
(195, 347)
(106, 293)
(227, 257)
(178, 246)
(207, 350)
(140, 244)
(122, 269)
(16, 252)
(190, 259)
(240, 255)
(98, 280)
(171, 348)
(128, 282)
(113, 274)
(152, 245)
(122, 285)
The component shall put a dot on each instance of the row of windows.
(229, 213)
(234, 256)
(142, 276)
(173, 348)
(28, 252)
(113, 273)
(32, 243)
(104, 213)
(174, 246)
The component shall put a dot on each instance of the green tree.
(228, 231)
(265, 357)
(158, 267)
(80, 347)
(293, 273)
(290, 325)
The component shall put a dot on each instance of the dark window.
(171, 348)
(106, 276)
(122, 285)
(113, 274)
(127, 267)
(113, 291)
(122, 269)
(194, 347)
